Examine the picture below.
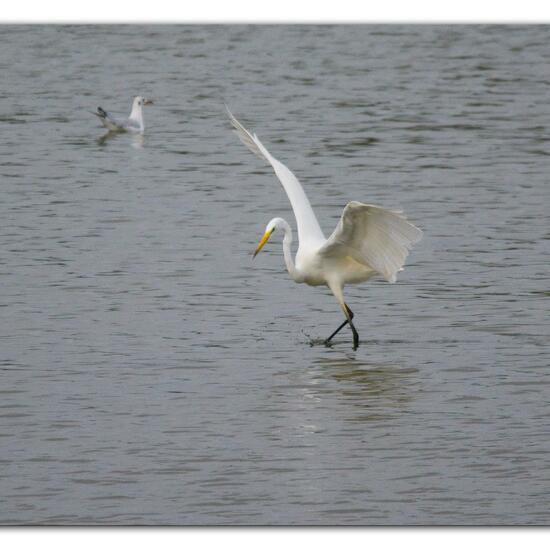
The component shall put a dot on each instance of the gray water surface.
(151, 373)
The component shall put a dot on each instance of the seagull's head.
(275, 223)
(141, 101)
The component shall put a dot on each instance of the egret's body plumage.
(368, 239)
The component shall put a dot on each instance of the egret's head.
(275, 223)
(141, 101)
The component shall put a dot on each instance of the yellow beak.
(265, 238)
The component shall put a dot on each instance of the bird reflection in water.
(137, 141)
(379, 390)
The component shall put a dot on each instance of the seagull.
(368, 239)
(134, 123)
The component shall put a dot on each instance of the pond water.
(151, 373)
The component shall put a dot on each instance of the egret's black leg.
(352, 326)
(327, 341)
(355, 336)
(350, 313)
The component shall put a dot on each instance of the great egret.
(134, 123)
(367, 240)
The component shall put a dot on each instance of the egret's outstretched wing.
(373, 236)
(308, 226)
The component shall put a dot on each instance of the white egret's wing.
(308, 226)
(373, 236)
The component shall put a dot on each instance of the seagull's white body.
(134, 123)
(368, 239)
